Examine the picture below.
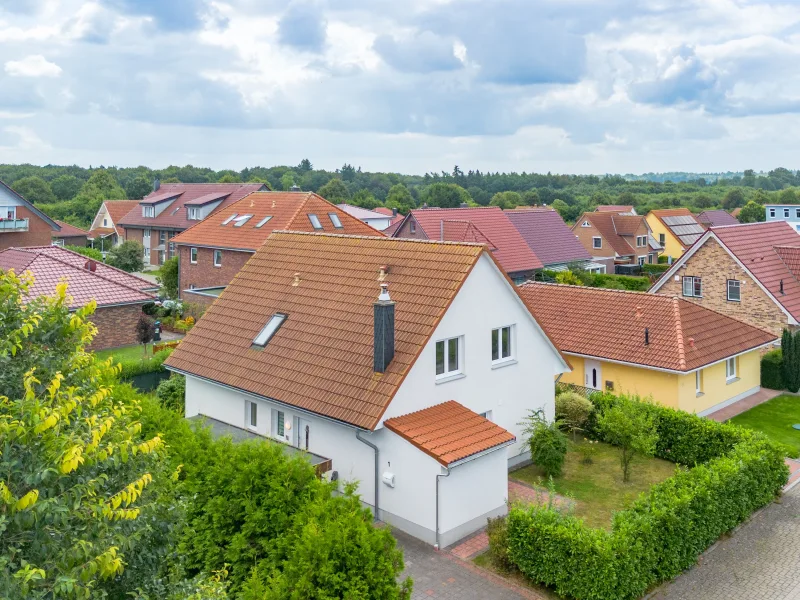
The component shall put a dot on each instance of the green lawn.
(775, 418)
(597, 489)
(126, 353)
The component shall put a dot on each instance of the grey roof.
(680, 220)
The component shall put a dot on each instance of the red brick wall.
(405, 231)
(38, 233)
(116, 326)
(78, 240)
(204, 274)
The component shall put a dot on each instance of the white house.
(372, 218)
(408, 364)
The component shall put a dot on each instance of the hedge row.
(131, 368)
(635, 284)
(772, 370)
(655, 269)
(667, 528)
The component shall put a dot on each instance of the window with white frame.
(105, 221)
(487, 415)
(315, 223)
(148, 211)
(586, 224)
(698, 382)
(693, 287)
(194, 213)
(217, 258)
(251, 414)
(662, 238)
(597, 242)
(786, 213)
(501, 343)
(193, 256)
(448, 357)
(412, 226)
(641, 261)
(730, 369)
(734, 290)
(278, 423)
(772, 212)
(641, 241)
(335, 220)
(797, 212)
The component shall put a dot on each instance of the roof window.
(229, 219)
(314, 221)
(263, 221)
(239, 221)
(335, 220)
(270, 329)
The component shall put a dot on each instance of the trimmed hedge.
(655, 269)
(772, 370)
(665, 530)
(132, 368)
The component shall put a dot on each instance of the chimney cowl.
(639, 312)
(394, 212)
(691, 342)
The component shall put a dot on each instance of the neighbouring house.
(619, 209)
(69, 235)
(174, 207)
(394, 215)
(682, 354)
(404, 365)
(750, 272)
(716, 218)
(487, 225)
(675, 229)
(119, 295)
(625, 240)
(379, 220)
(553, 242)
(21, 223)
(213, 251)
(789, 213)
(104, 232)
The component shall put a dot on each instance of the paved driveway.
(761, 561)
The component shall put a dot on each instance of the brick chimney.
(383, 345)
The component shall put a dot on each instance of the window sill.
(736, 301)
(699, 394)
(503, 363)
(446, 378)
(215, 266)
(731, 380)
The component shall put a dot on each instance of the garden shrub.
(656, 269)
(497, 531)
(635, 284)
(131, 368)
(548, 444)
(172, 393)
(631, 429)
(573, 410)
(772, 370)
(790, 348)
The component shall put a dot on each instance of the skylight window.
(335, 220)
(239, 221)
(270, 329)
(263, 221)
(314, 221)
(229, 219)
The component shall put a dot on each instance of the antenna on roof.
(646, 336)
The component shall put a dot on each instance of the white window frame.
(586, 224)
(193, 256)
(449, 370)
(149, 211)
(412, 226)
(261, 223)
(194, 213)
(797, 213)
(337, 222)
(597, 242)
(641, 261)
(270, 329)
(251, 415)
(730, 369)
(487, 415)
(641, 241)
(497, 334)
(662, 239)
(217, 253)
(698, 382)
(785, 213)
(230, 218)
(278, 423)
(239, 221)
(315, 222)
(772, 213)
(738, 288)
(693, 293)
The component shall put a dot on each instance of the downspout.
(377, 468)
(438, 477)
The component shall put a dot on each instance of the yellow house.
(681, 354)
(675, 229)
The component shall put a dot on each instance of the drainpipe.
(377, 468)
(438, 477)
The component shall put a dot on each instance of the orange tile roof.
(289, 211)
(614, 228)
(610, 324)
(321, 359)
(449, 432)
(68, 230)
(117, 209)
(615, 208)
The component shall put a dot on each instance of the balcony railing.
(13, 224)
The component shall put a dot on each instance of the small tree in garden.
(547, 442)
(631, 429)
(790, 347)
(145, 330)
(573, 410)
(128, 256)
(168, 277)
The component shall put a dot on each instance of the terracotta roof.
(615, 208)
(101, 232)
(614, 228)
(610, 324)
(449, 432)
(391, 229)
(116, 209)
(51, 265)
(716, 218)
(465, 231)
(512, 252)
(289, 211)
(175, 216)
(790, 255)
(390, 213)
(548, 236)
(68, 230)
(681, 223)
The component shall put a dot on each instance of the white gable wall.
(9, 199)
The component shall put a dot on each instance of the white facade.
(504, 390)
(784, 212)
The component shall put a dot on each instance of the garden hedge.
(772, 370)
(737, 471)
(132, 368)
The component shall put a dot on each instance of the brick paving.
(761, 561)
(744, 405)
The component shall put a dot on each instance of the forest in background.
(73, 194)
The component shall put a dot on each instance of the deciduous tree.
(632, 430)
(128, 256)
(34, 189)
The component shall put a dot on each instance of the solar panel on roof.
(680, 220)
(687, 229)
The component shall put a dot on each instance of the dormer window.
(149, 211)
(270, 329)
(314, 221)
(263, 221)
(194, 213)
(229, 219)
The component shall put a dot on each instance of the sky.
(411, 86)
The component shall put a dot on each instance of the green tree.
(364, 199)
(86, 251)
(568, 278)
(446, 195)
(400, 198)
(102, 186)
(547, 443)
(34, 189)
(703, 201)
(66, 187)
(172, 393)
(287, 181)
(168, 277)
(229, 178)
(562, 208)
(573, 410)
(138, 187)
(787, 196)
(506, 200)
(790, 351)
(335, 191)
(733, 199)
(305, 166)
(752, 213)
(348, 172)
(531, 198)
(145, 331)
(128, 256)
(629, 428)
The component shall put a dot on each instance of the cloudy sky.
(577, 86)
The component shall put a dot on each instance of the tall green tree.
(34, 189)
(506, 200)
(335, 191)
(400, 198)
(305, 166)
(168, 277)
(102, 185)
(752, 212)
(128, 256)
(138, 187)
(66, 187)
(287, 180)
(733, 199)
(790, 350)
(364, 199)
(446, 195)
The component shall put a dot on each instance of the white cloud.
(34, 65)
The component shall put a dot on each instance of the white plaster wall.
(9, 199)
(485, 302)
(379, 224)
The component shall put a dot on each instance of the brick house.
(623, 239)
(69, 235)
(750, 272)
(119, 295)
(174, 207)
(484, 225)
(213, 251)
(21, 223)
(104, 232)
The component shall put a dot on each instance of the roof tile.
(548, 236)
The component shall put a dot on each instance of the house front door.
(592, 374)
(303, 434)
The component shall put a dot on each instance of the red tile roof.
(50, 265)
(614, 228)
(716, 218)
(615, 208)
(548, 236)
(449, 432)
(610, 324)
(391, 229)
(175, 216)
(513, 254)
(68, 230)
(289, 211)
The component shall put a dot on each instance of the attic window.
(335, 220)
(239, 221)
(314, 221)
(263, 221)
(229, 219)
(586, 224)
(270, 329)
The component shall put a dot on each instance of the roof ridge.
(299, 206)
(679, 332)
(374, 237)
